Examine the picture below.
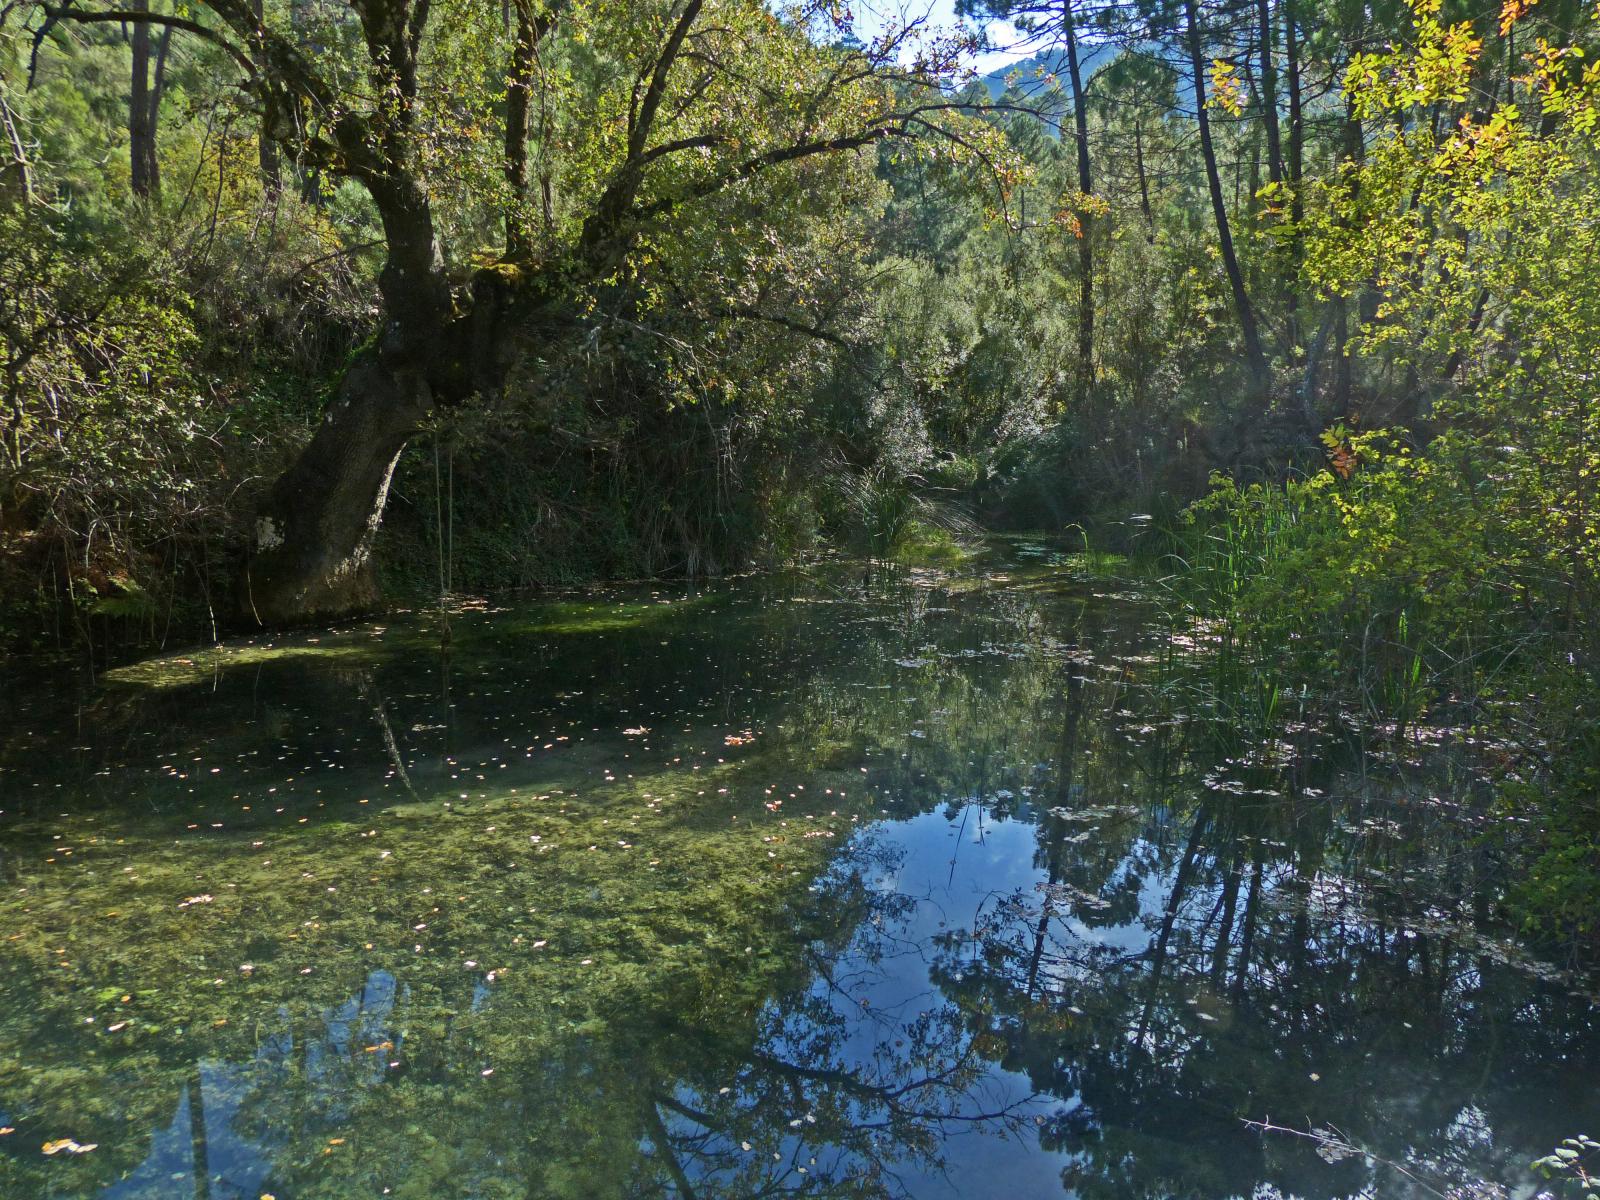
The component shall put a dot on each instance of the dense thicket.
(1193, 248)
(593, 262)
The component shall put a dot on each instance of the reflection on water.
(786, 887)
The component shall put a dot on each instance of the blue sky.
(871, 16)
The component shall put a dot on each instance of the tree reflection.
(833, 1096)
(1262, 951)
(799, 1089)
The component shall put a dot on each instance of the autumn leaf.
(1227, 92)
(1513, 11)
(68, 1146)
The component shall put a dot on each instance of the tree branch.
(126, 16)
(772, 158)
(658, 80)
(747, 313)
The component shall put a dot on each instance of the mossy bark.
(311, 547)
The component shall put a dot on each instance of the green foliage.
(1450, 578)
(106, 441)
(1569, 1165)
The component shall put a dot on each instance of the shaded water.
(790, 886)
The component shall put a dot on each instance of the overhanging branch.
(130, 17)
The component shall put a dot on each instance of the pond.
(900, 883)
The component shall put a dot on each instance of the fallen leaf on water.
(68, 1146)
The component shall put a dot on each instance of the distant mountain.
(1031, 74)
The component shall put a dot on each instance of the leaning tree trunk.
(311, 548)
(312, 544)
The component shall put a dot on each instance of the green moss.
(606, 616)
(923, 544)
(366, 644)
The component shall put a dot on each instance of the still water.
(917, 885)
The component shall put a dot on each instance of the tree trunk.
(1297, 132)
(1144, 181)
(311, 547)
(1344, 380)
(158, 86)
(1269, 92)
(1295, 165)
(16, 176)
(267, 158)
(307, 39)
(519, 91)
(313, 539)
(1343, 368)
(141, 136)
(1254, 356)
(266, 147)
(1080, 122)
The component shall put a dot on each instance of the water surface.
(912, 885)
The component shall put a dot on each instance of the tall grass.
(1272, 592)
(884, 516)
(1231, 649)
(1392, 604)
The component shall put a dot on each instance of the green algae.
(166, 952)
(545, 923)
(368, 644)
(347, 648)
(557, 914)
(573, 617)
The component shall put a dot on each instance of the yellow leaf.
(1511, 12)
